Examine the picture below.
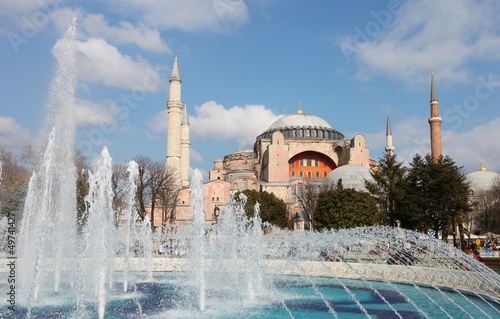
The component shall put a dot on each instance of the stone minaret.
(389, 148)
(185, 147)
(174, 111)
(435, 123)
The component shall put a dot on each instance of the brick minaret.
(435, 124)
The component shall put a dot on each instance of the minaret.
(174, 110)
(389, 148)
(435, 123)
(185, 147)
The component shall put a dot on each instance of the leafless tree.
(119, 184)
(155, 188)
(12, 171)
(307, 193)
(488, 204)
(14, 183)
(168, 198)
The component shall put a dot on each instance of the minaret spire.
(185, 147)
(174, 115)
(435, 123)
(299, 110)
(185, 117)
(389, 147)
(176, 74)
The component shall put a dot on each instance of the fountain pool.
(167, 295)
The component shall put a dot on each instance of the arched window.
(309, 174)
(235, 186)
(293, 173)
(301, 174)
(317, 174)
(244, 185)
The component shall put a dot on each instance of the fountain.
(231, 269)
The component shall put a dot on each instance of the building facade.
(296, 148)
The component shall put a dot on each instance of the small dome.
(299, 120)
(352, 175)
(481, 180)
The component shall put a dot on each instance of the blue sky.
(246, 63)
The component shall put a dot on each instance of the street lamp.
(216, 214)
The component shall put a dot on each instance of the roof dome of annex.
(352, 175)
(304, 126)
(481, 180)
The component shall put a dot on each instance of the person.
(477, 256)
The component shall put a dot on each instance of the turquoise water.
(291, 297)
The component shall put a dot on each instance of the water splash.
(99, 231)
(48, 229)
(131, 189)
(199, 236)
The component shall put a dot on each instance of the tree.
(82, 187)
(436, 194)
(488, 209)
(388, 187)
(155, 187)
(272, 209)
(345, 208)
(307, 194)
(13, 184)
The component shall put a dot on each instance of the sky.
(246, 63)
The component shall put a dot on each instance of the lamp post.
(216, 215)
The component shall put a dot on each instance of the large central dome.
(303, 126)
(299, 120)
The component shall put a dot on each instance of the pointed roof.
(482, 168)
(176, 74)
(388, 130)
(299, 110)
(434, 97)
(185, 117)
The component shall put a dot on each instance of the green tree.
(272, 209)
(436, 194)
(388, 187)
(345, 208)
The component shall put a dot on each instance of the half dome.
(352, 175)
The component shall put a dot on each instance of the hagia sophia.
(297, 148)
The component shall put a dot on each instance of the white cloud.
(12, 135)
(213, 121)
(97, 26)
(159, 122)
(241, 124)
(100, 62)
(187, 15)
(88, 113)
(421, 34)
